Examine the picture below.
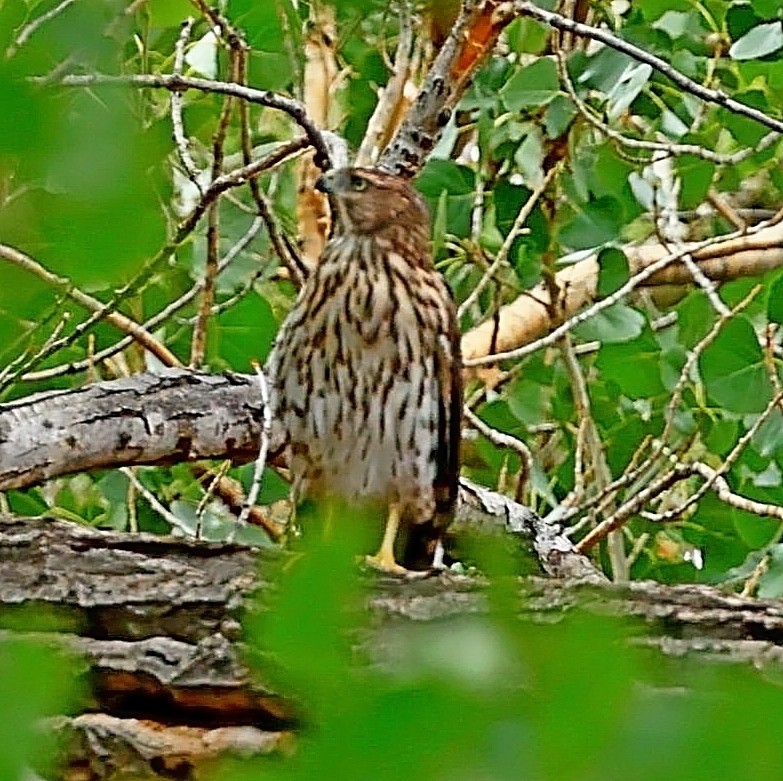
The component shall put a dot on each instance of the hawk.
(366, 370)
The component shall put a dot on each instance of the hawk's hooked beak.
(326, 182)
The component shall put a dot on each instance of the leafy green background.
(87, 187)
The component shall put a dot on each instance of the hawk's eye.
(358, 184)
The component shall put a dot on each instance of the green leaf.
(558, 116)
(672, 363)
(696, 177)
(634, 366)
(766, 8)
(722, 546)
(758, 42)
(652, 9)
(617, 323)
(458, 183)
(508, 200)
(35, 682)
(628, 86)
(768, 439)
(96, 229)
(527, 402)
(733, 370)
(754, 532)
(599, 222)
(605, 69)
(527, 36)
(613, 270)
(674, 23)
(534, 85)
(443, 175)
(262, 21)
(721, 435)
(740, 18)
(771, 582)
(775, 302)
(529, 157)
(168, 13)
(693, 318)
(242, 334)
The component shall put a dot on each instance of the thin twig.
(155, 503)
(633, 282)
(288, 254)
(727, 496)
(590, 443)
(633, 505)
(667, 147)
(501, 439)
(199, 339)
(386, 112)
(266, 435)
(725, 466)
(706, 284)
(27, 31)
(180, 139)
(502, 255)
(240, 176)
(693, 357)
(154, 321)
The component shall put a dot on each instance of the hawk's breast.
(355, 367)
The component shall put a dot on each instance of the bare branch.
(153, 322)
(178, 83)
(180, 139)
(389, 108)
(448, 78)
(155, 503)
(28, 30)
(666, 147)
(118, 320)
(502, 254)
(240, 176)
(168, 418)
(501, 439)
(263, 450)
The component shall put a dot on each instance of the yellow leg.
(383, 560)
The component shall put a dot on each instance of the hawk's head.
(370, 200)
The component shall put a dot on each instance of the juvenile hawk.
(366, 369)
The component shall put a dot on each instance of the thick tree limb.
(165, 418)
(180, 415)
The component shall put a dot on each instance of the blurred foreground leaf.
(34, 682)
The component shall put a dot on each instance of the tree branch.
(167, 418)
(527, 319)
(694, 88)
(157, 622)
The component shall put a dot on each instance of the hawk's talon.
(381, 563)
(385, 567)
